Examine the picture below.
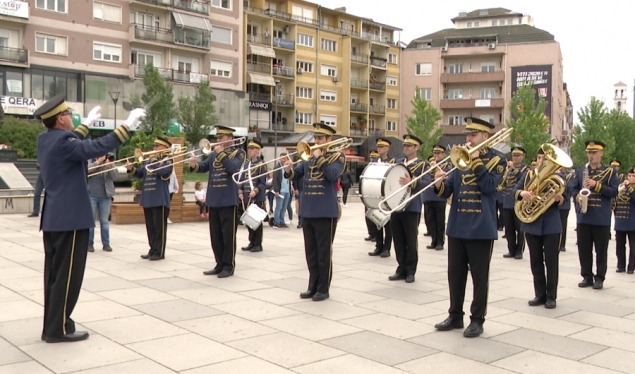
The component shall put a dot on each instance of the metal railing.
(378, 86)
(286, 100)
(191, 5)
(259, 39)
(359, 83)
(362, 59)
(358, 131)
(380, 109)
(356, 107)
(284, 71)
(173, 75)
(376, 38)
(259, 96)
(259, 67)
(19, 55)
(181, 37)
(378, 61)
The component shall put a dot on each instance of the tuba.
(585, 192)
(544, 185)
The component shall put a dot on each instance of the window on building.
(106, 12)
(510, 21)
(488, 117)
(305, 40)
(327, 95)
(328, 119)
(495, 23)
(301, 14)
(391, 81)
(142, 58)
(488, 93)
(54, 44)
(392, 58)
(469, 24)
(455, 93)
(391, 126)
(455, 120)
(304, 92)
(305, 67)
(391, 103)
(54, 5)
(455, 69)
(225, 4)
(329, 45)
(278, 34)
(221, 35)
(371, 124)
(476, 24)
(303, 118)
(328, 70)
(425, 93)
(488, 67)
(424, 68)
(107, 52)
(221, 69)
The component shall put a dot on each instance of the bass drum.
(378, 217)
(380, 180)
(253, 216)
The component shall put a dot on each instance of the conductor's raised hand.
(93, 116)
(135, 116)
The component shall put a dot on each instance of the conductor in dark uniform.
(405, 223)
(543, 239)
(383, 236)
(370, 226)
(253, 191)
(155, 196)
(514, 235)
(471, 227)
(594, 226)
(435, 205)
(222, 199)
(67, 214)
(320, 210)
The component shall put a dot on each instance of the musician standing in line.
(320, 211)
(594, 226)
(543, 239)
(620, 178)
(435, 209)
(383, 236)
(471, 227)
(155, 197)
(67, 214)
(370, 226)
(222, 200)
(565, 207)
(405, 223)
(625, 223)
(426, 209)
(253, 191)
(514, 235)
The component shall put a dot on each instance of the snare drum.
(380, 180)
(378, 217)
(253, 216)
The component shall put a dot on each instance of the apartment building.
(95, 51)
(474, 68)
(305, 63)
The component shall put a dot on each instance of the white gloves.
(135, 116)
(93, 116)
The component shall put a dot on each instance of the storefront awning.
(262, 51)
(265, 80)
(193, 22)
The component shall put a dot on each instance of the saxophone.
(544, 185)
(585, 192)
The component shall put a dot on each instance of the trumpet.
(461, 158)
(204, 148)
(139, 157)
(304, 152)
(585, 192)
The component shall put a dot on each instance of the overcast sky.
(595, 37)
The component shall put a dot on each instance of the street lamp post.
(277, 91)
(114, 95)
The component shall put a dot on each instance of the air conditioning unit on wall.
(336, 79)
(492, 45)
(300, 70)
(444, 49)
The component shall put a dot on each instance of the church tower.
(620, 96)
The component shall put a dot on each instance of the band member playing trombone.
(513, 233)
(155, 197)
(253, 192)
(471, 226)
(383, 236)
(320, 209)
(222, 199)
(594, 226)
(435, 205)
(625, 223)
(405, 223)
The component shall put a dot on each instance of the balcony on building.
(259, 39)
(173, 75)
(14, 56)
(188, 31)
(359, 83)
(259, 86)
(378, 61)
(469, 103)
(284, 71)
(201, 7)
(496, 76)
(259, 96)
(284, 100)
(357, 107)
(359, 59)
(377, 109)
(377, 133)
(284, 43)
(259, 67)
(377, 38)
(358, 130)
(377, 86)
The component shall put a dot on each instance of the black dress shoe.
(509, 255)
(299, 226)
(504, 236)
(43, 337)
(427, 234)
(410, 278)
(211, 272)
(91, 248)
(620, 270)
(500, 229)
(449, 324)
(256, 248)
(563, 249)
(73, 337)
(376, 252)
(156, 258)
(145, 257)
(396, 277)
(519, 256)
(585, 283)
(385, 254)
(307, 294)
(431, 246)
(225, 274)
(439, 247)
(629, 271)
(598, 285)
(537, 301)
(320, 296)
(474, 330)
(369, 238)
(247, 248)
(33, 215)
(550, 304)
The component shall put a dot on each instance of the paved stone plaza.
(166, 316)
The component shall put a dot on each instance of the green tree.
(159, 98)
(593, 126)
(21, 135)
(622, 129)
(423, 124)
(196, 114)
(144, 142)
(529, 123)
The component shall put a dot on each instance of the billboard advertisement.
(539, 76)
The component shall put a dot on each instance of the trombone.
(138, 157)
(205, 148)
(304, 152)
(461, 158)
